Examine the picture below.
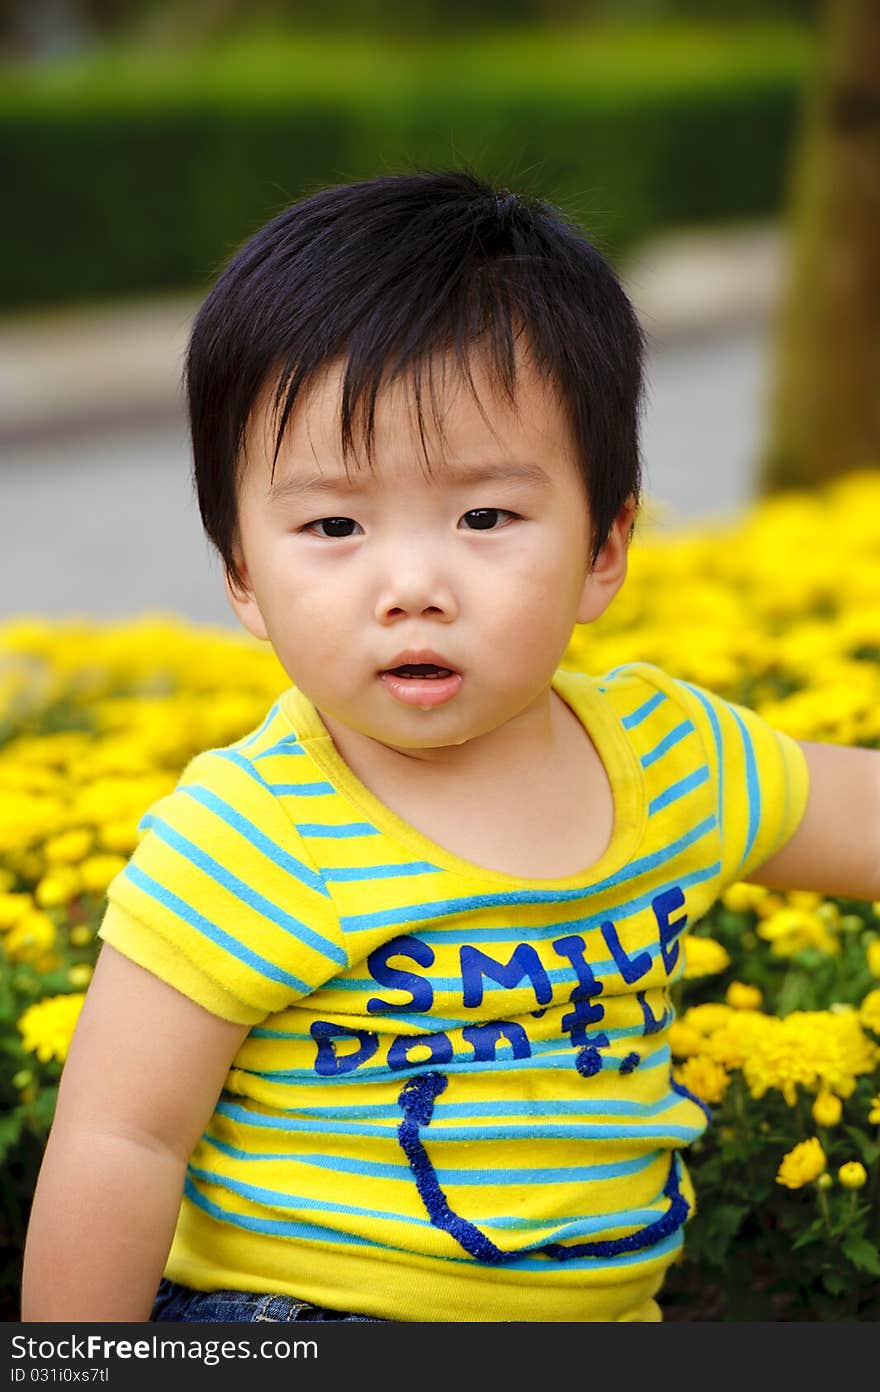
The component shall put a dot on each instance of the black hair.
(387, 273)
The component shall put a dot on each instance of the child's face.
(481, 567)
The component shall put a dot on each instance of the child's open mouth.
(421, 669)
(422, 684)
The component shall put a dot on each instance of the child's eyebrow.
(504, 471)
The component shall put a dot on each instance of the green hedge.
(128, 174)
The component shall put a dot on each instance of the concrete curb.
(696, 284)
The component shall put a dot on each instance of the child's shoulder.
(273, 733)
(243, 774)
(221, 883)
(629, 680)
(646, 695)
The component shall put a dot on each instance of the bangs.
(431, 357)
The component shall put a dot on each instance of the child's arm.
(145, 1068)
(836, 847)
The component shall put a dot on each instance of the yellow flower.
(27, 819)
(874, 1112)
(743, 997)
(770, 904)
(803, 899)
(99, 870)
(869, 1011)
(703, 957)
(80, 936)
(28, 864)
(31, 937)
(705, 1019)
(874, 957)
(58, 888)
(802, 1165)
(737, 1038)
(792, 930)
(827, 1109)
(852, 1175)
(742, 897)
(80, 974)
(120, 836)
(68, 848)
(47, 1027)
(819, 1050)
(703, 1077)
(684, 1041)
(13, 907)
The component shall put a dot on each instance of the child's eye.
(485, 519)
(334, 527)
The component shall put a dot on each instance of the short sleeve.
(220, 900)
(759, 774)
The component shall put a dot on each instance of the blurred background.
(724, 154)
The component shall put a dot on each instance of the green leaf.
(727, 1218)
(11, 1127)
(835, 1283)
(863, 1254)
(868, 1148)
(41, 1111)
(809, 1234)
(723, 1224)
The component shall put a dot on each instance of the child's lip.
(424, 692)
(419, 657)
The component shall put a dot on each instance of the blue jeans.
(180, 1303)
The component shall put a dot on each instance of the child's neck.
(470, 800)
(537, 733)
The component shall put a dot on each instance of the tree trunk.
(825, 403)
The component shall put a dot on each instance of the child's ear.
(244, 603)
(609, 572)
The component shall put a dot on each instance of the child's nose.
(415, 584)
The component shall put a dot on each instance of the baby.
(378, 1029)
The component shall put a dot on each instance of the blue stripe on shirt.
(269, 848)
(334, 830)
(678, 789)
(478, 1177)
(446, 908)
(211, 931)
(668, 742)
(242, 891)
(379, 872)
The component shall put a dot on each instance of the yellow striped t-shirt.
(455, 1102)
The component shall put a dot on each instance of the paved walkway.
(99, 516)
